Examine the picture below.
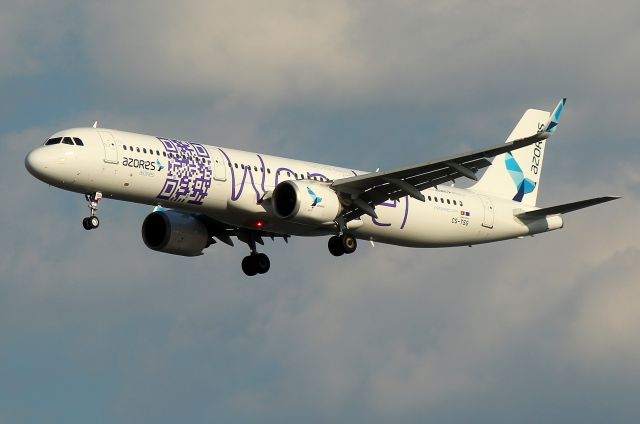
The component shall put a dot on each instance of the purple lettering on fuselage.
(393, 204)
(236, 191)
(235, 195)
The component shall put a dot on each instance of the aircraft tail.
(516, 175)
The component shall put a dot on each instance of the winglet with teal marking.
(554, 118)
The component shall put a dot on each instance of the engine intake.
(305, 202)
(175, 232)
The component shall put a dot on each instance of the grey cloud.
(33, 35)
(345, 52)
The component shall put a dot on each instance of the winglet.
(554, 117)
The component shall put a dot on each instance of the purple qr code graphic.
(188, 172)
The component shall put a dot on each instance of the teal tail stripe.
(523, 185)
(555, 116)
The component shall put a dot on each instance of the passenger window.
(288, 174)
(429, 197)
(138, 149)
(255, 168)
(78, 141)
(124, 147)
(454, 202)
(144, 150)
(67, 140)
(164, 154)
(268, 170)
(236, 165)
(448, 202)
(131, 148)
(158, 152)
(51, 141)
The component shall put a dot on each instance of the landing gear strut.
(345, 243)
(92, 221)
(255, 263)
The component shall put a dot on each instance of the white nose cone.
(33, 162)
(38, 162)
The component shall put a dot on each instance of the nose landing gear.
(92, 221)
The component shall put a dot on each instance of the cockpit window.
(78, 141)
(51, 141)
(67, 140)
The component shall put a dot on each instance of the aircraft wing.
(362, 193)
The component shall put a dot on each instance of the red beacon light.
(259, 224)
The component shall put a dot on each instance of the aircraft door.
(219, 165)
(110, 149)
(487, 220)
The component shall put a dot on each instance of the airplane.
(204, 194)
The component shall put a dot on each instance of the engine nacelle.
(305, 202)
(175, 232)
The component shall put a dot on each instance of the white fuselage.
(229, 186)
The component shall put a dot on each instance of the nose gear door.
(110, 149)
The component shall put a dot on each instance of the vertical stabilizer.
(516, 175)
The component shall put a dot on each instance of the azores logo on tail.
(315, 198)
(523, 185)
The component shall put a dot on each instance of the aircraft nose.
(36, 163)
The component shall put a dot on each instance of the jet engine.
(175, 232)
(305, 202)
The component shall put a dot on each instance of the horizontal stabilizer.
(567, 207)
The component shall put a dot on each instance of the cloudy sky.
(94, 327)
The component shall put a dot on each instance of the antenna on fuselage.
(95, 124)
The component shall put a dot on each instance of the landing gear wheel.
(90, 222)
(257, 263)
(262, 263)
(335, 246)
(349, 243)
(248, 266)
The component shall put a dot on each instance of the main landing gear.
(255, 263)
(92, 221)
(345, 243)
